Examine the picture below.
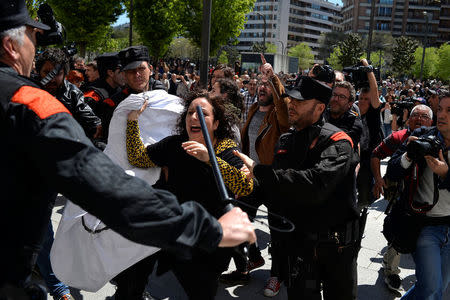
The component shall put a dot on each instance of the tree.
(270, 48)
(157, 23)
(328, 42)
(351, 50)
(107, 44)
(86, 21)
(429, 65)
(227, 20)
(443, 65)
(403, 55)
(33, 6)
(304, 54)
(182, 47)
(333, 59)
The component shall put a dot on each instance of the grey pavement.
(370, 274)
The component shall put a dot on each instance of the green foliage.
(223, 59)
(443, 65)
(328, 42)
(270, 48)
(33, 6)
(182, 47)
(403, 55)
(107, 44)
(86, 21)
(333, 59)
(304, 54)
(157, 23)
(350, 50)
(429, 65)
(227, 20)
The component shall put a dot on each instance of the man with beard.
(312, 179)
(267, 120)
(342, 112)
(66, 92)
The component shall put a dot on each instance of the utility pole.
(425, 14)
(206, 31)
(264, 37)
(130, 37)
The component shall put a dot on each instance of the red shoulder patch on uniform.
(39, 101)
(110, 102)
(341, 136)
(93, 95)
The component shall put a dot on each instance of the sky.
(124, 19)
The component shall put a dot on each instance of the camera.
(324, 73)
(397, 107)
(427, 145)
(357, 75)
(56, 33)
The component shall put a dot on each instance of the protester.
(185, 158)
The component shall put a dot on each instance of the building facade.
(290, 22)
(400, 18)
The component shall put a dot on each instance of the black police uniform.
(312, 182)
(45, 151)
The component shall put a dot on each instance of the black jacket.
(44, 152)
(73, 99)
(312, 178)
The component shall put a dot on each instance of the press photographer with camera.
(421, 115)
(369, 105)
(422, 162)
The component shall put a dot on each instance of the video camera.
(324, 73)
(357, 75)
(427, 145)
(56, 35)
(397, 107)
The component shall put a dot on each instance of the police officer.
(137, 72)
(44, 151)
(110, 82)
(312, 179)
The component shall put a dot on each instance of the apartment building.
(290, 22)
(400, 18)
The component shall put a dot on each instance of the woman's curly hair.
(221, 113)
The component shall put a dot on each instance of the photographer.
(369, 105)
(422, 163)
(421, 115)
(66, 92)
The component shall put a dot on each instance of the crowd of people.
(307, 146)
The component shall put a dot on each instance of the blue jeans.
(56, 288)
(387, 129)
(432, 258)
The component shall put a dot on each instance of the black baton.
(243, 248)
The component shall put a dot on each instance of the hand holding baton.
(243, 248)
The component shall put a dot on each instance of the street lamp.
(264, 37)
(426, 16)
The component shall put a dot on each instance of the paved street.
(370, 276)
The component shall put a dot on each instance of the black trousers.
(326, 266)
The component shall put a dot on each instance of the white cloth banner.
(88, 260)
